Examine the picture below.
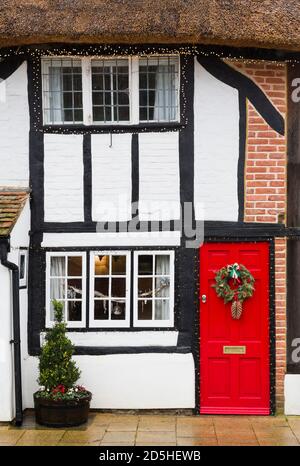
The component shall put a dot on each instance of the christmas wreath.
(234, 283)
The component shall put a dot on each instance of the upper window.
(62, 91)
(110, 90)
(158, 79)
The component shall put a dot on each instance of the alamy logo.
(151, 218)
(296, 352)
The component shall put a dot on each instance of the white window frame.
(94, 323)
(153, 323)
(70, 324)
(45, 96)
(134, 107)
(23, 280)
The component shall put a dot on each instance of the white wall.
(6, 368)
(130, 381)
(161, 238)
(159, 176)
(292, 394)
(14, 129)
(19, 238)
(111, 177)
(216, 110)
(63, 178)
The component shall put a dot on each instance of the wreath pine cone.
(236, 309)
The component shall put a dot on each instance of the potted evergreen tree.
(59, 402)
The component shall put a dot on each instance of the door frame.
(272, 321)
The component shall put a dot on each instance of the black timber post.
(293, 218)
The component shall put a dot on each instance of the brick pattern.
(265, 189)
(280, 318)
(265, 172)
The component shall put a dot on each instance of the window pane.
(74, 290)
(101, 310)
(162, 287)
(101, 287)
(57, 288)
(118, 311)
(58, 266)
(145, 264)
(123, 114)
(74, 266)
(118, 287)
(98, 113)
(78, 116)
(162, 309)
(22, 266)
(74, 311)
(145, 309)
(118, 265)
(145, 287)
(162, 265)
(101, 265)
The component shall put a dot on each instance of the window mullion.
(134, 90)
(87, 90)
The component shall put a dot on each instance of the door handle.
(203, 298)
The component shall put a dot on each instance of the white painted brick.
(111, 177)
(14, 130)
(159, 176)
(216, 147)
(63, 178)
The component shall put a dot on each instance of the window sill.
(127, 128)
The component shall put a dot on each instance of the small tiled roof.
(12, 202)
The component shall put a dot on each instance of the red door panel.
(234, 383)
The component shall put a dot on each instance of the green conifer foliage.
(56, 366)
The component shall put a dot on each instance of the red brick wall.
(265, 188)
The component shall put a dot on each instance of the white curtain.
(162, 306)
(55, 88)
(57, 285)
(164, 109)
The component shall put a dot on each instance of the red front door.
(234, 383)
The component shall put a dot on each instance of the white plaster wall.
(20, 233)
(292, 394)
(124, 339)
(19, 238)
(216, 110)
(131, 381)
(159, 176)
(14, 129)
(63, 183)
(111, 177)
(161, 238)
(6, 368)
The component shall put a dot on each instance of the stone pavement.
(105, 429)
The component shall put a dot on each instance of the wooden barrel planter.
(61, 413)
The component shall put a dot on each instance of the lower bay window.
(126, 288)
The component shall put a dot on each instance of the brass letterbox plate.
(234, 349)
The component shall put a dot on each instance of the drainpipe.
(4, 247)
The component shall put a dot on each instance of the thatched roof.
(255, 23)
